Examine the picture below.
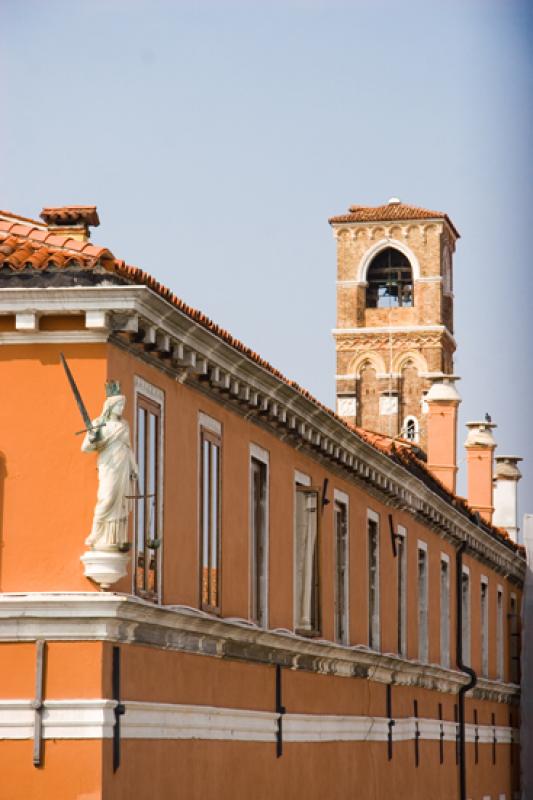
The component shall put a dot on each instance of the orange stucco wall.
(181, 582)
(71, 770)
(47, 493)
(44, 516)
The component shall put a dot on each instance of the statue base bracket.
(105, 567)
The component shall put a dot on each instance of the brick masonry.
(374, 364)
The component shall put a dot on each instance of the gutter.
(463, 668)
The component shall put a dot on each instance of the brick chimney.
(506, 477)
(480, 446)
(443, 401)
(73, 221)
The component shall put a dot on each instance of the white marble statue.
(117, 474)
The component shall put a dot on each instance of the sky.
(216, 138)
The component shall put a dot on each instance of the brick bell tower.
(394, 334)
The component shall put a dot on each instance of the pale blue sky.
(217, 137)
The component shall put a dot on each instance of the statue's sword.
(89, 427)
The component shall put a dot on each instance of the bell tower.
(394, 334)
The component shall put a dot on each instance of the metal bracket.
(119, 710)
(38, 702)
(441, 736)
(391, 723)
(394, 536)
(417, 734)
(280, 711)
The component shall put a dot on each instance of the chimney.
(506, 477)
(480, 446)
(443, 401)
(73, 221)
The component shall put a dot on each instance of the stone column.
(480, 445)
(443, 401)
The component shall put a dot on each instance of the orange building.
(296, 606)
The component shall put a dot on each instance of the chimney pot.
(73, 221)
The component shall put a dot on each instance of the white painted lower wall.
(94, 719)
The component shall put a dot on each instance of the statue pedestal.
(105, 567)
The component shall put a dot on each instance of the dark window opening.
(259, 541)
(373, 585)
(340, 522)
(390, 280)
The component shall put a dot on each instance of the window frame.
(484, 600)
(500, 649)
(385, 278)
(302, 483)
(445, 613)
(210, 431)
(401, 589)
(466, 633)
(514, 639)
(373, 619)
(259, 608)
(341, 499)
(422, 601)
(408, 419)
(153, 399)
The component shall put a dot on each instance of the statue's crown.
(112, 388)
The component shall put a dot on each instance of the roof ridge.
(11, 215)
(52, 239)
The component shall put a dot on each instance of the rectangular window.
(514, 643)
(210, 519)
(422, 602)
(307, 609)
(465, 606)
(499, 633)
(373, 581)
(401, 565)
(147, 506)
(444, 611)
(259, 535)
(340, 525)
(484, 602)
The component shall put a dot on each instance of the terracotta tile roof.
(34, 247)
(390, 212)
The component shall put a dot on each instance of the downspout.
(463, 667)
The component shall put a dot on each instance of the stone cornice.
(138, 319)
(128, 619)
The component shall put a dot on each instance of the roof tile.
(390, 212)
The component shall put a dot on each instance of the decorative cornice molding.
(128, 619)
(53, 337)
(170, 340)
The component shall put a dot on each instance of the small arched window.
(390, 280)
(410, 429)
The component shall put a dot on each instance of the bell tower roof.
(393, 211)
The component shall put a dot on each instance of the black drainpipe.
(463, 667)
